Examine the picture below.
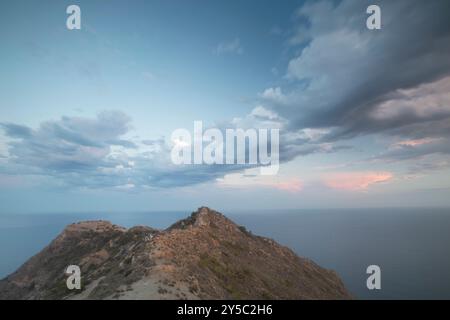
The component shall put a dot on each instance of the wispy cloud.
(355, 181)
(148, 75)
(229, 47)
(414, 142)
(249, 181)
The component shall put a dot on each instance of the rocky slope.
(205, 256)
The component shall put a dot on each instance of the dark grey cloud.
(190, 175)
(350, 71)
(416, 149)
(435, 128)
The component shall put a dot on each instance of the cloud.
(274, 95)
(360, 81)
(428, 164)
(415, 149)
(414, 143)
(355, 181)
(293, 143)
(85, 152)
(148, 75)
(16, 131)
(427, 101)
(93, 153)
(276, 31)
(249, 181)
(344, 81)
(74, 149)
(294, 185)
(263, 113)
(230, 47)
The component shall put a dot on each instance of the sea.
(410, 245)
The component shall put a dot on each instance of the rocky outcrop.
(205, 256)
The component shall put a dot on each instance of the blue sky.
(86, 115)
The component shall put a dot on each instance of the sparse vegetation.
(205, 255)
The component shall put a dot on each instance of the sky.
(86, 116)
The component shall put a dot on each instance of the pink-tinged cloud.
(424, 101)
(415, 143)
(290, 186)
(237, 180)
(355, 181)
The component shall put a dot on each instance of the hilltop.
(205, 256)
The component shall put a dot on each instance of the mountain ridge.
(204, 256)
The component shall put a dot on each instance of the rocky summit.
(205, 256)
